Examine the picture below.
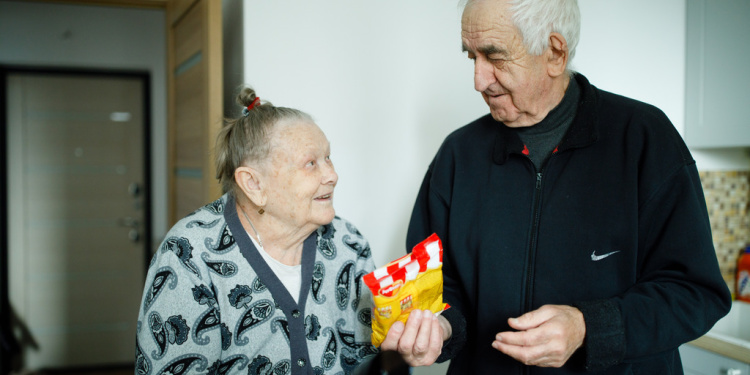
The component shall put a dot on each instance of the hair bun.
(246, 96)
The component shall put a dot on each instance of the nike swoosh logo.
(595, 257)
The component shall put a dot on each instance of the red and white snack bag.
(414, 281)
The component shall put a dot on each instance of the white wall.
(51, 35)
(637, 48)
(387, 82)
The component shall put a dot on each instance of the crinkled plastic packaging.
(414, 281)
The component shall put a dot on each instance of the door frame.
(5, 71)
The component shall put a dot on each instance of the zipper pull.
(538, 180)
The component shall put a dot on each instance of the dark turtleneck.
(544, 137)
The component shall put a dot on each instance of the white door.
(76, 200)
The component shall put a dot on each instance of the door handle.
(134, 189)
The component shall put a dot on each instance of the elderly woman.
(266, 279)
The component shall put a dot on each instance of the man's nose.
(483, 74)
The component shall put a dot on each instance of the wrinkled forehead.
(297, 134)
(486, 12)
(487, 23)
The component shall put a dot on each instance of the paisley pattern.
(318, 274)
(224, 243)
(261, 365)
(258, 285)
(202, 224)
(210, 320)
(329, 354)
(182, 365)
(221, 268)
(326, 247)
(358, 245)
(184, 251)
(258, 313)
(223, 367)
(161, 279)
(226, 336)
(204, 296)
(365, 317)
(205, 309)
(216, 207)
(358, 287)
(142, 363)
(283, 325)
(312, 327)
(343, 281)
(173, 331)
(240, 296)
(352, 350)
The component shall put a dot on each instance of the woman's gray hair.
(246, 139)
(536, 19)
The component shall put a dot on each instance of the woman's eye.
(310, 163)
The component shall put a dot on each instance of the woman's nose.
(483, 74)
(329, 174)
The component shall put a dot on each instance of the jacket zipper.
(533, 234)
(531, 255)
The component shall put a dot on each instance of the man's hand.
(546, 337)
(420, 341)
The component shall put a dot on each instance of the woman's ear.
(558, 55)
(250, 182)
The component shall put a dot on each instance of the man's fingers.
(422, 344)
(532, 319)
(527, 355)
(436, 337)
(409, 337)
(524, 338)
(393, 337)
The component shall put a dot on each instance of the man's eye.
(310, 163)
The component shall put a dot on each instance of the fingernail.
(417, 313)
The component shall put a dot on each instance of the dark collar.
(582, 132)
(267, 276)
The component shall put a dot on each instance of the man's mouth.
(324, 197)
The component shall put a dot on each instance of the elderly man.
(574, 224)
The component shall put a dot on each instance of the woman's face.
(301, 177)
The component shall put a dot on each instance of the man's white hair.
(536, 19)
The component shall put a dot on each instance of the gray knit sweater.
(211, 305)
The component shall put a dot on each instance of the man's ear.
(557, 52)
(250, 181)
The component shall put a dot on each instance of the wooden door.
(195, 102)
(77, 201)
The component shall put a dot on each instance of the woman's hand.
(420, 341)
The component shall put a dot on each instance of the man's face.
(514, 84)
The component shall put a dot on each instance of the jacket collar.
(582, 132)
